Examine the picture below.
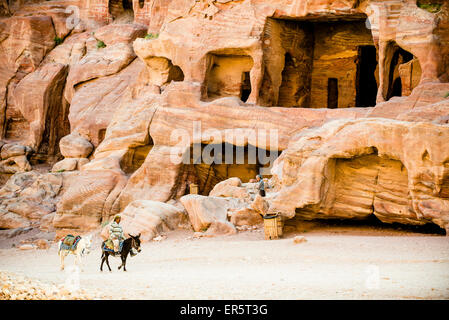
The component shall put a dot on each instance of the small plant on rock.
(100, 44)
(446, 95)
(152, 36)
(429, 6)
(57, 40)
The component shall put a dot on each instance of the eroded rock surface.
(28, 199)
(356, 91)
(352, 169)
(210, 213)
(148, 218)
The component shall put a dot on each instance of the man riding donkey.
(116, 233)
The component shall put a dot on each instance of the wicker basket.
(273, 226)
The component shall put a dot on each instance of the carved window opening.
(332, 93)
(366, 86)
(228, 75)
(246, 86)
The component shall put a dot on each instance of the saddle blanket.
(69, 242)
(109, 246)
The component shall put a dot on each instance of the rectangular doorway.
(332, 93)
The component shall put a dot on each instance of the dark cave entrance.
(121, 11)
(369, 225)
(374, 199)
(127, 4)
(366, 86)
(135, 157)
(213, 163)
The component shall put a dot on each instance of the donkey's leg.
(107, 262)
(61, 259)
(102, 261)
(124, 263)
(101, 265)
(120, 266)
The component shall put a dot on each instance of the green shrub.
(62, 170)
(446, 95)
(58, 40)
(431, 7)
(100, 44)
(152, 36)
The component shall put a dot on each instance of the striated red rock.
(205, 212)
(246, 217)
(68, 164)
(353, 169)
(14, 150)
(38, 96)
(24, 41)
(260, 205)
(219, 227)
(42, 244)
(85, 205)
(75, 146)
(147, 218)
(120, 33)
(28, 198)
(158, 174)
(248, 66)
(46, 222)
(95, 102)
(99, 62)
(230, 188)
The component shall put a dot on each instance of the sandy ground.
(338, 263)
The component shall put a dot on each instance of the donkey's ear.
(138, 236)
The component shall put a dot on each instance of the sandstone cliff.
(92, 94)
